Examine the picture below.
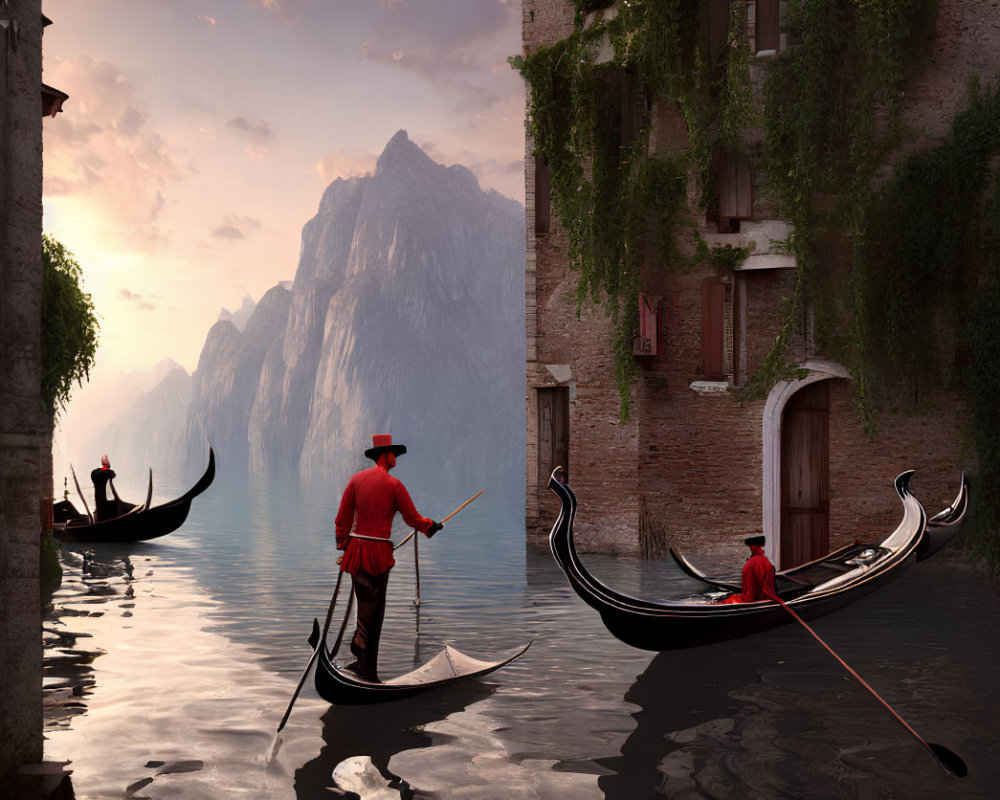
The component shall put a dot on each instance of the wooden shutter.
(713, 301)
(553, 431)
(767, 25)
(718, 30)
(647, 343)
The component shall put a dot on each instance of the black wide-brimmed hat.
(382, 443)
(754, 540)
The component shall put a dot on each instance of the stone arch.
(816, 370)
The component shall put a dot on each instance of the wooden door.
(553, 431)
(805, 476)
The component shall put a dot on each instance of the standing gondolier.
(363, 526)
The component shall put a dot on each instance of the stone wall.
(20, 423)
(690, 468)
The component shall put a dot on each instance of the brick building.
(695, 467)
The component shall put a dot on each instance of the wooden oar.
(949, 761)
(416, 555)
(453, 513)
(90, 517)
(315, 652)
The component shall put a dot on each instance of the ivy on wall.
(69, 325)
(613, 197)
(926, 283)
(830, 120)
(924, 274)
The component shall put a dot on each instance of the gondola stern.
(945, 525)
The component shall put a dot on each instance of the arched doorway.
(795, 484)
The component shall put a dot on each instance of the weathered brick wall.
(700, 455)
(687, 471)
(20, 321)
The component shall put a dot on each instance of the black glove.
(435, 527)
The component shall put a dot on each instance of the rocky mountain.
(405, 317)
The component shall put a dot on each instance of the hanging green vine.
(737, 110)
(926, 284)
(613, 198)
(924, 274)
(847, 64)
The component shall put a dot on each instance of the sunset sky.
(199, 136)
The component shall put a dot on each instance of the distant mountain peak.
(401, 152)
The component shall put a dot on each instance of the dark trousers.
(370, 592)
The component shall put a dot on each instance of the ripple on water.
(189, 648)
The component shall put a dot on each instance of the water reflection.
(185, 651)
(380, 732)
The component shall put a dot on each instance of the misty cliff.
(225, 382)
(405, 317)
(144, 433)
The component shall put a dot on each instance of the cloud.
(446, 25)
(136, 300)
(233, 227)
(228, 232)
(257, 130)
(345, 164)
(283, 12)
(460, 47)
(108, 153)
(210, 21)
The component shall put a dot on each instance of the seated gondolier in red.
(757, 577)
(363, 525)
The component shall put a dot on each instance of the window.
(734, 180)
(768, 31)
(761, 26)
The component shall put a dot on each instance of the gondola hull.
(342, 687)
(657, 626)
(140, 523)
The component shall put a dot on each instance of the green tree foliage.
(69, 325)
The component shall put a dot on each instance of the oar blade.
(949, 760)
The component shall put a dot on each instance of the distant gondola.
(342, 687)
(811, 589)
(139, 523)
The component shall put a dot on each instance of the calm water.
(184, 653)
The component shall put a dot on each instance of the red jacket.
(757, 577)
(370, 501)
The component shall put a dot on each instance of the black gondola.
(945, 525)
(811, 589)
(343, 687)
(138, 524)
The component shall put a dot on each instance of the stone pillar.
(20, 402)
